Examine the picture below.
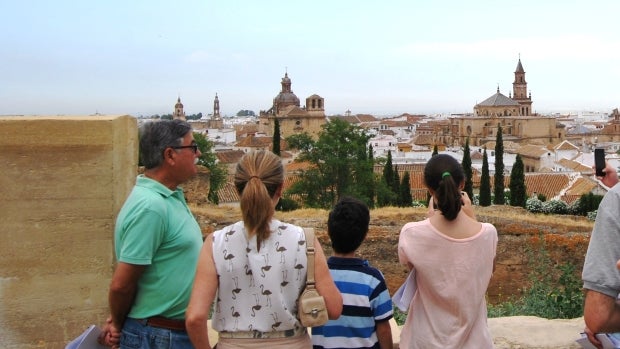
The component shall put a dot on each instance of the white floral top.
(258, 290)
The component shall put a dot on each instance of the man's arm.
(384, 334)
(123, 291)
(601, 312)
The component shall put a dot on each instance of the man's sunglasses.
(193, 147)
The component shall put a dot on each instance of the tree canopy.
(218, 172)
(340, 165)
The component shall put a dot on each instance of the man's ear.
(169, 155)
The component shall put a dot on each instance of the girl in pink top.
(453, 256)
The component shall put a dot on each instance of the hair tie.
(254, 177)
(445, 174)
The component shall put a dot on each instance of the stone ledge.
(515, 332)
(521, 332)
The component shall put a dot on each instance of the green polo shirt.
(156, 228)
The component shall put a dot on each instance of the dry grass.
(512, 217)
(517, 221)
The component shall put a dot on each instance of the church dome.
(179, 104)
(288, 98)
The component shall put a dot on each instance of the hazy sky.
(379, 57)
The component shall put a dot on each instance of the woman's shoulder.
(488, 226)
(489, 229)
(229, 228)
(416, 224)
(277, 225)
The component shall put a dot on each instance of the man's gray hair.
(156, 136)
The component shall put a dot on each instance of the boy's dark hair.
(347, 224)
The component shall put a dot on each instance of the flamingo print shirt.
(258, 289)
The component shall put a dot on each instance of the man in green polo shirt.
(157, 242)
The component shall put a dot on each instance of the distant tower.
(315, 105)
(519, 88)
(286, 97)
(216, 108)
(178, 110)
(216, 119)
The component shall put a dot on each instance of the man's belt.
(163, 322)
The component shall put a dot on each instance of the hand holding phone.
(599, 162)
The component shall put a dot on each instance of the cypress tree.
(518, 195)
(396, 187)
(405, 191)
(466, 163)
(276, 137)
(485, 182)
(388, 171)
(498, 186)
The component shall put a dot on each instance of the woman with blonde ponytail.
(255, 270)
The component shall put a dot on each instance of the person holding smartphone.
(453, 256)
(600, 276)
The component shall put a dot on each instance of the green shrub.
(555, 207)
(287, 204)
(534, 205)
(554, 292)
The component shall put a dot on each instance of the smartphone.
(599, 161)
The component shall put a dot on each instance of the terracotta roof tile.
(297, 166)
(566, 145)
(532, 151)
(574, 166)
(547, 184)
(245, 129)
(254, 142)
(228, 192)
(229, 156)
(583, 185)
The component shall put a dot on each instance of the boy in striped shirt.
(367, 308)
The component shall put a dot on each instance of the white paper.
(403, 296)
(607, 341)
(87, 340)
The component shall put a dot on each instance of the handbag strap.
(309, 232)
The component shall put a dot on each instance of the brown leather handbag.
(311, 305)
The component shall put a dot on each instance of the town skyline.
(137, 58)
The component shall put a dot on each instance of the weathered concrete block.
(63, 181)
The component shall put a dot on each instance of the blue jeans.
(136, 335)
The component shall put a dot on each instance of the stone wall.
(63, 181)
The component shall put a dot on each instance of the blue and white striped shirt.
(366, 300)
